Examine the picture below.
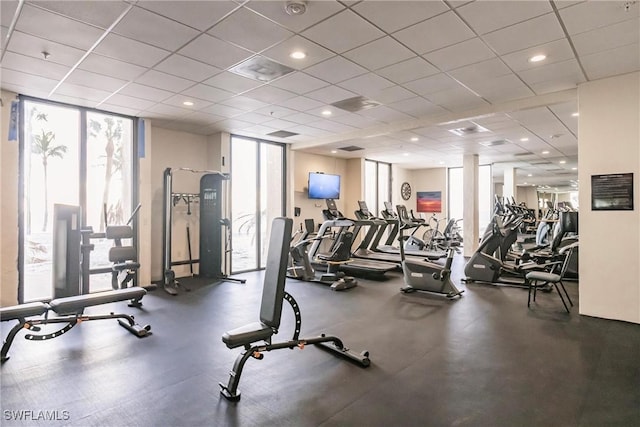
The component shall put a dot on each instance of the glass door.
(257, 196)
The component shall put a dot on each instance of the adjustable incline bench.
(70, 311)
(273, 295)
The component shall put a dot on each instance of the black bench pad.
(123, 253)
(15, 312)
(76, 303)
(247, 334)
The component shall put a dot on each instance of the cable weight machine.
(211, 221)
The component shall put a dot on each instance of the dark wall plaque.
(612, 192)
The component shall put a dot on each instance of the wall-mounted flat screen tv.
(324, 186)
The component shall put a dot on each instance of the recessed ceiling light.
(442, 163)
(405, 154)
(562, 162)
(529, 175)
(188, 103)
(525, 183)
(414, 139)
(575, 114)
(537, 58)
(574, 169)
(298, 54)
(545, 152)
(327, 113)
(334, 151)
(524, 139)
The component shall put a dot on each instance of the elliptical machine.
(421, 275)
(300, 266)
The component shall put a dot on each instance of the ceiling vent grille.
(495, 143)
(282, 134)
(351, 148)
(527, 153)
(357, 103)
(469, 130)
(544, 162)
(261, 69)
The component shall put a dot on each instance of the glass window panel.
(384, 185)
(370, 184)
(243, 202)
(271, 197)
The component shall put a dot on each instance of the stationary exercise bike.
(422, 275)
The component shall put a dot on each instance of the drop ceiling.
(432, 66)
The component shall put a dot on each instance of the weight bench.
(256, 337)
(70, 311)
(124, 258)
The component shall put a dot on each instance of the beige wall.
(609, 130)
(528, 195)
(8, 208)
(434, 179)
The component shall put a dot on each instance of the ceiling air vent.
(261, 69)
(282, 134)
(469, 130)
(357, 103)
(543, 162)
(495, 143)
(526, 153)
(351, 148)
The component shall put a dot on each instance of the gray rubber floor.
(483, 360)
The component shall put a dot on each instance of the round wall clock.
(405, 191)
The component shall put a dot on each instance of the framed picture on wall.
(429, 201)
(612, 192)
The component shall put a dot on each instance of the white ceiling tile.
(11, 77)
(257, 130)
(73, 100)
(200, 118)
(355, 120)
(179, 99)
(82, 92)
(394, 15)
(26, 44)
(487, 16)
(301, 103)
(384, 114)
(245, 103)
(197, 14)
(280, 124)
(146, 92)
(214, 52)
(335, 70)
(249, 30)
(131, 51)
(188, 68)
(411, 69)
(391, 94)
(30, 65)
(232, 82)
(417, 107)
(275, 111)
(500, 89)
(622, 60)
(595, 14)
(167, 110)
(7, 10)
(120, 110)
(254, 118)
(461, 54)
(551, 72)
(207, 93)
(534, 32)
(556, 51)
(332, 126)
(343, 32)
(99, 13)
(50, 26)
(94, 80)
(308, 130)
(299, 83)
(379, 53)
(488, 69)
(280, 53)
(165, 81)
(130, 102)
(223, 110)
(457, 99)
(316, 12)
(610, 37)
(148, 27)
(112, 67)
(366, 84)
(330, 94)
(432, 84)
(302, 118)
(435, 33)
(269, 94)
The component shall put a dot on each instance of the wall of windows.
(377, 185)
(74, 156)
(456, 195)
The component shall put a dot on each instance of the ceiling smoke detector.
(295, 8)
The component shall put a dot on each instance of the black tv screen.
(324, 186)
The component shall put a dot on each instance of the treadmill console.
(332, 211)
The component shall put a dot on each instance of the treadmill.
(364, 217)
(356, 266)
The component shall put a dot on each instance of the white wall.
(8, 208)
(609, 130)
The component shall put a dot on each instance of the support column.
(470, 208)
(509, 189)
